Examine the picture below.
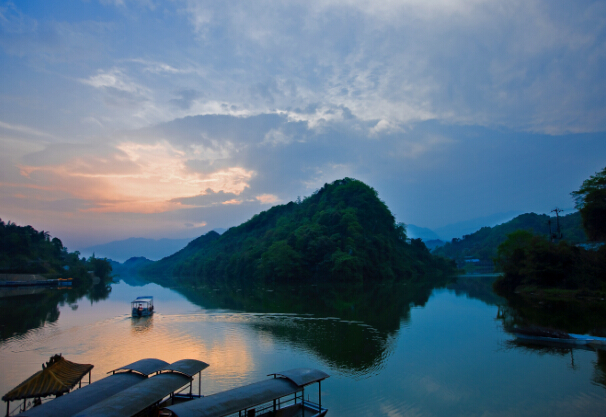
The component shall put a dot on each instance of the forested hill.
(342, 232)
(24, 250)
(483, 244)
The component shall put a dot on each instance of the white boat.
(142, 306)
(543, 335)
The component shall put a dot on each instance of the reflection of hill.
(571, 316)
(132, 279)
(25, 312)
(350, 327)
(478, 287)
(599, 375)
(22, 313)
(568, 316)
(128, 271)
(557, 349)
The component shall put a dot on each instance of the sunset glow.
(129, 127)
(147, 178)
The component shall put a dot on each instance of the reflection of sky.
(452, 361)
(449, 359)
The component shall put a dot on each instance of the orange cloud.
(138, 178)
(267, 198)
(232, 201)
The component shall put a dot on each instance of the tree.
(590, 200)
(101, 267)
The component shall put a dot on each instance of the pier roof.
(248, 396)
(144, 366)
(140, 396)
(85, 397)
(58, 377)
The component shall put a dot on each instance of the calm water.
(407, 352)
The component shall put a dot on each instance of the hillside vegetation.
(341, 233)
(24, 250)
(533, 264)
(484, 243)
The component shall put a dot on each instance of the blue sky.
(170, 118)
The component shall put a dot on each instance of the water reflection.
(385, 354)
(341, 324)
(23, 313)
(478, 287)
(26, 309)
(571, 316)
(555, 349)
(599, 375)
(142, 324)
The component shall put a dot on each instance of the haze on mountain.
(152, 249)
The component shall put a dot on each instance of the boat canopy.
(145, 366)
(138, 397)
(248, 396)
(189, 367)
(303, 376)
(58, 377)
(81, 399)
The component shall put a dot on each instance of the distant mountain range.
(482, 244)
(416, 232)
(459, 229)
(153, 249)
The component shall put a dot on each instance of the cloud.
(437, 104)
(23, 129)
(128, 177)
(186, 98)
(268, 199)
(411, 61)
(199, 16)
(119, 90)
(232, 202)
(192, 225)
(207, 198)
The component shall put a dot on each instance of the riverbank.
(533, 291)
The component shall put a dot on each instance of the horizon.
(169, 119)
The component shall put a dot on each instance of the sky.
(167, 119)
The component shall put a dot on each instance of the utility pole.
(558, 233)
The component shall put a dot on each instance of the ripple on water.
(230, 342)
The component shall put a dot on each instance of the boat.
(539, 334)
(154, 387)
(132, 390)
(142, 306)
(280, 396)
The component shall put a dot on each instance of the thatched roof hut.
(57, 377)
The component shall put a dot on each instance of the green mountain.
(341, 233)
(482, 245)
(24, 250)
(130, 266)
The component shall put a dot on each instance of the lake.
(408, 351)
